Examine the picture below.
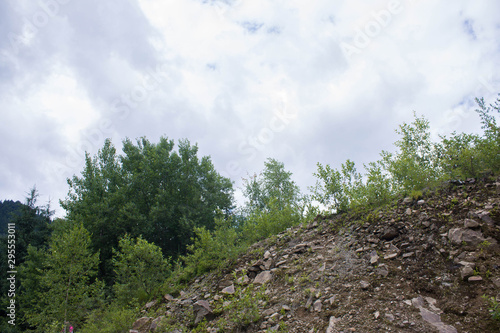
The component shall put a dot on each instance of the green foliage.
(415, 165)
(67, 288)
(150, 190)
(243, 306)
(338, 190)
(273, 184)
(113, 319)
(212, 248)
(264, 223)
(494, 307)
(140, 270)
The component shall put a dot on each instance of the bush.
(114, 319)
(271, 221)
(140, 270)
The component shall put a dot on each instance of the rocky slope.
(419, 265)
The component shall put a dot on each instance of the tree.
(140, 270)
(416, 164)
(274, 183)
(67, 282)
(150, 190)
(339, 190)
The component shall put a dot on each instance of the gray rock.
(201, 310)
(229, 290)
(389, 234)
(318, 305)
(364, 284)
(142, 324)
(331, 325)
(263, 277)
(458, 235)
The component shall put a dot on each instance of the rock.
(466, 272)
(407, 255)
(390, 256)
(407, 200)
(408, 211)
(229, 290)
(458, 235)
(243, 280)
(364, 284)
(156, 322)
(476, 278)
(317, 305)
(267, 255)
(420, 202)
(389, 234)
(418, 302)
(201, 310)
(373, 257)
(142, 324)
(376, 314)
(331, 325)
(390, 316)
(263, 277)
(382, 270)
(168, 297)
(468, 223)
(150, 304)
(435, 320)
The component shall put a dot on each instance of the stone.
(389, 234)
(420, 202)
(229, 290)
(466, 272)
(476, 278)
(150, 304)
(407, 200)
(317, 306)
(390, 256)
(364, 284)
(142, 324)
(267, 255)
(407, 255)
(263, 277)
(408, 211)
(243, 280)
(469, 223)
(331, 324)
(168, 297)
(373, 257)
(156, 322)
(376, 314)
(202, 310)
(458, 235)
(382, 270)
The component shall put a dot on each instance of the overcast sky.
(299, 81)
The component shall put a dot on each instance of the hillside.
(419, 265)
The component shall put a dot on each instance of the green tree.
(150, 190)
(338, 190)
(274, 183)
(140, 270)
(416, 164)
(67, 283)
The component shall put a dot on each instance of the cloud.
(246, 80)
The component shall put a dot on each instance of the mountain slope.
(419, 265)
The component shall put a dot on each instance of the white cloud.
(221, 72)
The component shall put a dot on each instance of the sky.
(299, 81)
